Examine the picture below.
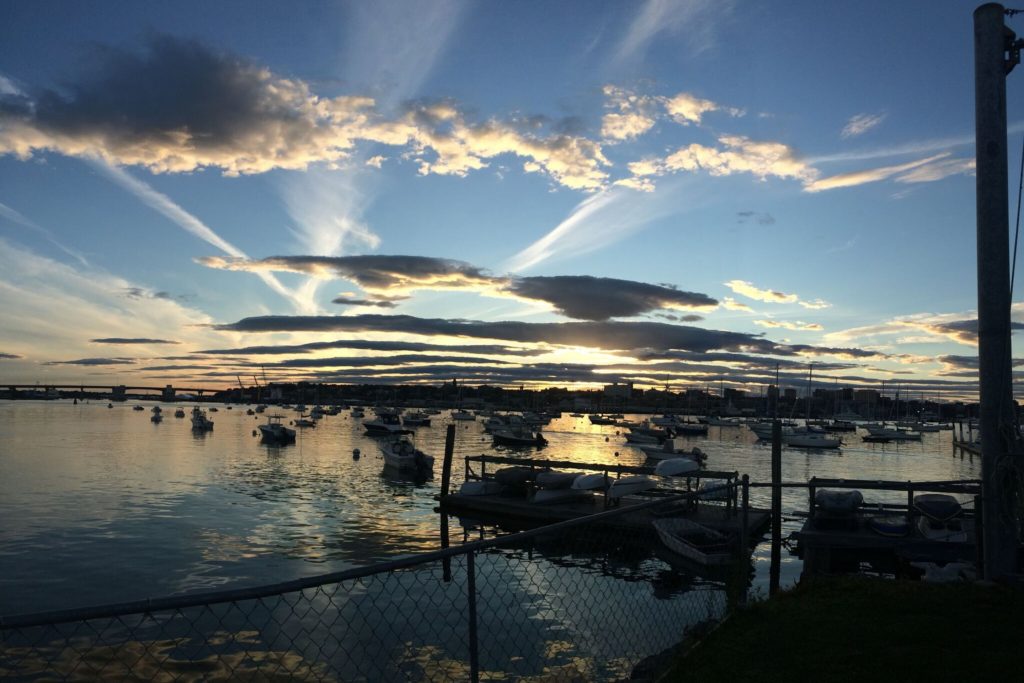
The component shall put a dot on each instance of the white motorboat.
(694, 541)
(672, 448)
(401, 454)
(385, 424)
(200, 422)
(275, 432)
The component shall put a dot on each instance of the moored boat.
(401, 454)
(695, 541)
(275, 432)
(200, 422)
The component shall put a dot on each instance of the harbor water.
(102, 505)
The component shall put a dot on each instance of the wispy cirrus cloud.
(860, 124)
(789, 325)
(693, 23)
(131, 340)
(928, 169)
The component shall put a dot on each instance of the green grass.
(846, 629)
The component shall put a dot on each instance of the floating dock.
(729, 515)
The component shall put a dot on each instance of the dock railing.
(569, 601)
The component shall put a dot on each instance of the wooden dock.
(728, 516)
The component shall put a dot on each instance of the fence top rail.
(613, 467)
(956, 486)
(269, 590)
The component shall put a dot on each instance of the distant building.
(618, 390)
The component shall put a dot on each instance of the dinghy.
(694, 541)
(674, 467)
(627, 486)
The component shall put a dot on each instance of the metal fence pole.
(474, 653)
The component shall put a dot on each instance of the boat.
(575, 414)
(358, 412)
(110, 405)
(275, 432)
(304, 421)
(591, 482)
(416, 419)
(519, 436)
(554, 496)
(200, 422)
(156, 417)
(553, 479)
(463, 415)
(213, 409)
(627, 486)
(157, 409)
(721, 421)
(401, 454)
(810, 440)
(895, 526)
(689, 428)
(481, 487)
(695, 541)
(940, 517)
(261, 408)
(674, 467)
(639, 437)
(137, 408)
(601, 420)
(883, 433)
(672, 448)
(386, 423)
(180, 412)
(250, 411)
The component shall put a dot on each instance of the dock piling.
(773, 580)
(446, 467)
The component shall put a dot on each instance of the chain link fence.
(584, 600)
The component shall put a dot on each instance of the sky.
(671, 193)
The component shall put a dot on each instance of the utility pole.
(996, 52)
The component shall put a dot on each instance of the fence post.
(773, 580)
(474, 654)
(446, 467)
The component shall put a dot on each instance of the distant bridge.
(118, 391)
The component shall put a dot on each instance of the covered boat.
(275, 432)
(401, 454)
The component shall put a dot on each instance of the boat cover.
(937, 506)
(838, 502)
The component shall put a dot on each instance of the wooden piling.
(773, 580)
(446, 467)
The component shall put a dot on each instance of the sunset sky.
(566, 193)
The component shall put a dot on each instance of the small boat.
(810, 440)
(516, 477)
(601, 420)
(156, 409)
(304, 421)
(591, 482)
(200, 422)
(416, 419)
(250, 411)
(689, 428)
(481, 487)
(180, 412)
(627, 486)
(386, 423)
(674, 467)
(401, 454)
(895, 526)
(110, 405)
(575, 414)
(552, 479)
(275, 432)
(213, 409)
(358, 412)
(694, 541)
(672, 448)
(463, 415)
(519, 436)
(714, 489)
(261, 408)
(137, 408)
(940, 517)
(554, 496)
(157, 418)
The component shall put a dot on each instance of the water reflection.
(82, 484)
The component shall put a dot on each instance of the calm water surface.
(101, 505)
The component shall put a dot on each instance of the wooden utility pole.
(995, 54)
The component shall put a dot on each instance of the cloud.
(131, 340)
(937, 170)
(816, 304)
(374, 345)
(10, 356)
(632, 114)
(759, 218)
(789, 325)
(860, 124)
(93, 361)
(599, 298)
(16, 217)
(740, 154)
(343, 300)
(731, 304)
(179, 107)
(767, 295)
(870, 175)
(380, 274)
(686, 108)
(693, 24)
(691, 318)
(601, 335)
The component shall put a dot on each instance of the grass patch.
(863, 629)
